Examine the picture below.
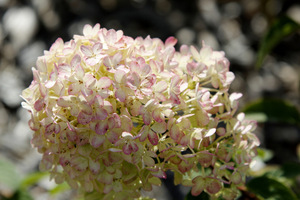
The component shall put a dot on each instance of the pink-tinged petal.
(134, 147)
(107, 189)
(215, 82)
(101, 127)
(170, 41)
(195, 54)
(84, 150)
(174, 98)
(83, 139)
(92, 61)
(159, 174)
(94, 166)
(147, 118)
(175, 132)
(120, 94)
(156, 66)
(43, 90)
(185, 140)
(210, 132)
(134, 81)
(97, 140)
(58, 44)
(64, 71)
(158, 115)
(202, 117)
(205, 52)
(80, 163)
(63, 102)
(221, 131)
(52, 128)
(84, 118)
(63, 136)
(236, 177)
(127, 149)
(107, 62)
(89, 80)
(104, 82)
(79, 71)
(159, 127)
(153, 137)
(76, 60)
(199, 185)
(175, 82)
(114, 121)
(148, 161)
(87, 30)
(106, 178)
(183, 87)
(185, 166)
(111, 37)
(101, 113)
(235, 96)
(74, 89)
(86, 50)
(229, 78)
(126, 123)
(135, 108)
(52, 80)
(205, 158)
(144, 133)
(161, 86)
(39, 104)
(118, 187)
(41, 65)
(145, 70)
(116, 59)
(108, 107)
(97, 48)
(86, 108)
(195, 68)
(120, 76)
(72, 136)
(213, 186)
(112, 136)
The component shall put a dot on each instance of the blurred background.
(237, 27)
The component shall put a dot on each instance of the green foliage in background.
(281, 28)
(273, 110)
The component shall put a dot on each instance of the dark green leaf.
(270, 189)
(202, 196)
(33, 178)
(281, 28)
(265, 154)
(60, 188)
(274, 110)
(291, 170)
(9, 178)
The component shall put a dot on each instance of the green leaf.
(9, 178)
(291, 170)
(202, 196)
(60, 188)
(281, 28)
(270, 189)
(33, 178)
(273, 110)
(21, 194)
(264, 154)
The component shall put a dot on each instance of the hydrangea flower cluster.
(111, 114)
